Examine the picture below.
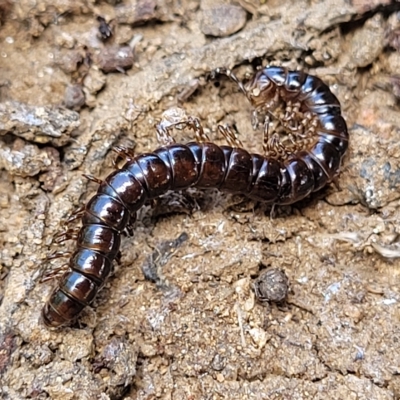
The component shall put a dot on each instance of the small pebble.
(223, 20)
(259, 337)
(115, 59)
(368, 41)
(69, 61)
(271, 285)
(136, 12)
(64, 39)
(74, 98)
(94, 81)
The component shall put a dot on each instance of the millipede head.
(261, 91)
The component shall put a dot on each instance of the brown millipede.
(305, 138)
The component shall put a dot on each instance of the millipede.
(304, 140)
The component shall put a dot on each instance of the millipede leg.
(92, 178)
(66, 235)
(130, 225)
(309, 123)
(255, 121)
(55, 273)
(230, 136)
(272, 144)
(272, 213)
(58, 254)
(195, 124)
(67, 232)
(290, 117)
(336, 183)
(176, 118)
(78, 213)
(129, 231)
(123, 153)
(267, 122)
(172, 118)
(74, 217)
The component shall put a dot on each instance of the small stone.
(64, 39)
(223, 20)
(368, 42)
(259, 337)
(354, 313)
(148, 349)
(138, 12)
(69, 61)
(249, 303)
(4, 200)
(90, 99)
(115, 58)
(74, 98)
(272, 285)
(35, 28)
(218, 363)
(94, 81)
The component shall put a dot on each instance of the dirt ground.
(78, 78)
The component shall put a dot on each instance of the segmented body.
(202, 164)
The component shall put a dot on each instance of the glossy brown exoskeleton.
(305, 160)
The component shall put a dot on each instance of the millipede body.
(290, 169)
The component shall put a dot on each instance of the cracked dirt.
(78, 78)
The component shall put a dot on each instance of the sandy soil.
(78, 78)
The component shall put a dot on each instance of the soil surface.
(179, 318)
